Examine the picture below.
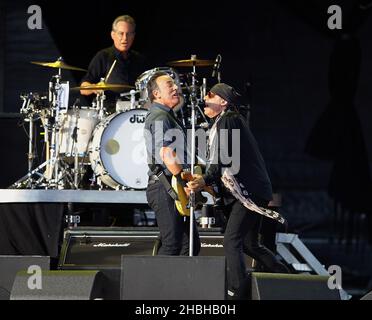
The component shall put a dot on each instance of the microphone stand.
(217, 67)
(193, 152)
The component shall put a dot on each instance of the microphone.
(204, 125)
(216, 66)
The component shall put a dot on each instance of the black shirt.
(251, 170)
(126, 70)
(162, 129)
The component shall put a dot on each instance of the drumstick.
(109, 73)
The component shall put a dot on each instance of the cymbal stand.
(132, 99)
(31, 154)
(75, 149)
(28, 110)
(100, 99)
(56, 90)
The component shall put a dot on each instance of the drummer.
(128, 66)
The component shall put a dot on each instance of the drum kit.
(83, 141)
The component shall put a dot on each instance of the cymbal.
(58, 65)
(105, 86)
(191, 63)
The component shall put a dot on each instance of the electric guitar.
(182, 204)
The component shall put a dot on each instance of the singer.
(164, 154)
(253, 184)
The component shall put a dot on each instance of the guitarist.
(252, 184)
(167, 155)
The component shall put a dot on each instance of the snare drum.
(117, 151)
(76, 132)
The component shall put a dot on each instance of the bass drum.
(118, 152)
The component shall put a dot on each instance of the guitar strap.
(159, 173)
(164, 180)
(238, 190)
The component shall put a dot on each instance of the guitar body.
(183, 200)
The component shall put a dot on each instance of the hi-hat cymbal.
(191, 63)
(58, 65)
(105, 86)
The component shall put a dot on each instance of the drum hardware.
(58, 94)
(74, 137)
(99, 101)
(29, 110)
(67, 132)
(58, 99)
(125, 105)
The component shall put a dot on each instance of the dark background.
(310, 91)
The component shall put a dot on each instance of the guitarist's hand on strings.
(183, 183)
(197, 183)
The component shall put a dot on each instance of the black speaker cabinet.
(274, 286)
(89, 248)
(59, 285)
(10, 265)
(100, 248)
(173, 278)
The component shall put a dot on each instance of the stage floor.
(75, 196)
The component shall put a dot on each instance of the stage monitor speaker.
(59, 285)
(100, 248)
(173, 278)
(274, 286)
(368, 296)
(10, 265)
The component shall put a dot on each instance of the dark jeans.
(242, 237)
(174, 228)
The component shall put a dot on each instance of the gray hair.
(125, 18)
